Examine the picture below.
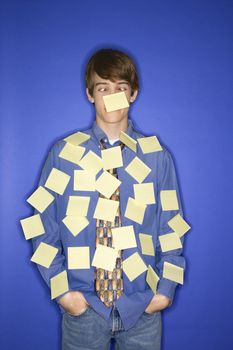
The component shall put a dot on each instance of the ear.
(90, 98)
(133, 97)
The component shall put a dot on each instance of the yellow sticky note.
(152, 279)
(149, 144)
(147, 245)
(179, 225)
(134, 266)
(40, 199)
(170, 241)
(138, 169)
(105, 257)
(169, 200)
(106, 209)
(32, 226)
(84, 180)
(78, 257)
(135, 210)
(144, 193)
(57, 181)
(112, 158)
(78, 205)
(115, 101)
(44, 254)
(77, 138)
(173, 272)
(106, 184)
(59, 284)
(72, 153)
(128, 141)
(124, 237)
(91, 162)
(75, 224)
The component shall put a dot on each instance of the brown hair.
(112, 65)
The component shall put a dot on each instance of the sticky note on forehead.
(113, 102)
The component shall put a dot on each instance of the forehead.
(98, 80)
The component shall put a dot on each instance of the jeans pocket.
(79, 315)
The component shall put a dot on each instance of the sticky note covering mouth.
(113, 102)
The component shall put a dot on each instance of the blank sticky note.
(59, 284)
(84, 180)
(78, 257)
(147, 245)
(115, 101)
(124, 237)
(112, 158)
(173, 272)
(179, 225)
(77, 138)
(78, 205)
(75, 224)
(105, 257)
(32, 226)
(57, 181)
(128, 141)
(106, 209)
(91, 162)
(138, 169)
(40, 199)
(152, 279)
(169, 200)
(44, 254)
(170, 241)
(144, 193)
(134, 266)
(135, 210)
(72, 153)
(149, 144)
(106, 184)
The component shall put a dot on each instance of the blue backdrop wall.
(184, 52)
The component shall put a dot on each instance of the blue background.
(184, 53)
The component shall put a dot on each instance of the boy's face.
(104, 87)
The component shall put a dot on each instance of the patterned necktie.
(109, 284)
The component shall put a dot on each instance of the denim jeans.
(90, 331)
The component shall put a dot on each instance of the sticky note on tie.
(44, 254)
(116, 101)
(105, 257)
(147, 245)
(78, 258)
(123, 237)
(77, 138)
(173, 272)
(144, 193)
(40, 199)
(149, 144)
(59, 284)
(91, 162)
(72, 153)
(75, 224)
(138, 169)
(170, 241)
(106, 209)
(78, 206)
(107, 184)
(152, 279)
(128, 141)
(169, 200)
(179, 225)
(57, 181)
(134, 266)
(32, 226)
(112, 157)
(135, 210)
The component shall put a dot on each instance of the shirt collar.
(100, 134)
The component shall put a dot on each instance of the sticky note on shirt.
(170, 241)
(32, 226)
(78, 206)
(152, 279)
(77, 138)
(135, 210)
(138, 169)
(105, 257)
(72, 153)
(40, 199)
(44, 254)
(124, 237)
(75, 224)
(179, 225)
(144, 193)
(115, 101)
(106, 209)
(78, 257)
(84, 180)
(59, 284)
(112, 157)
(91, 162)
(57, 181)
(147, 245)
(169, 200)
(134, 266)
(173, 272)
(149, 144)
(128, 141)
(107, 184)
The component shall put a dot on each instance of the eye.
(102, 89)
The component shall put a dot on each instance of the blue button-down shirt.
(137, 294)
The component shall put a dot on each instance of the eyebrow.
(104, 83)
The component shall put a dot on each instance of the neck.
(112, 130)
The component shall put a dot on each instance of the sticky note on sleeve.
(59, 284)
(179, 225)
(44, 254)
(152, 279)
(40, 199)
(147, 245)
(169, 200)
(170, 241)
(116, 101)
(32, 226)
(173, 272)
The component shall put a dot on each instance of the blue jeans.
(90, 331)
